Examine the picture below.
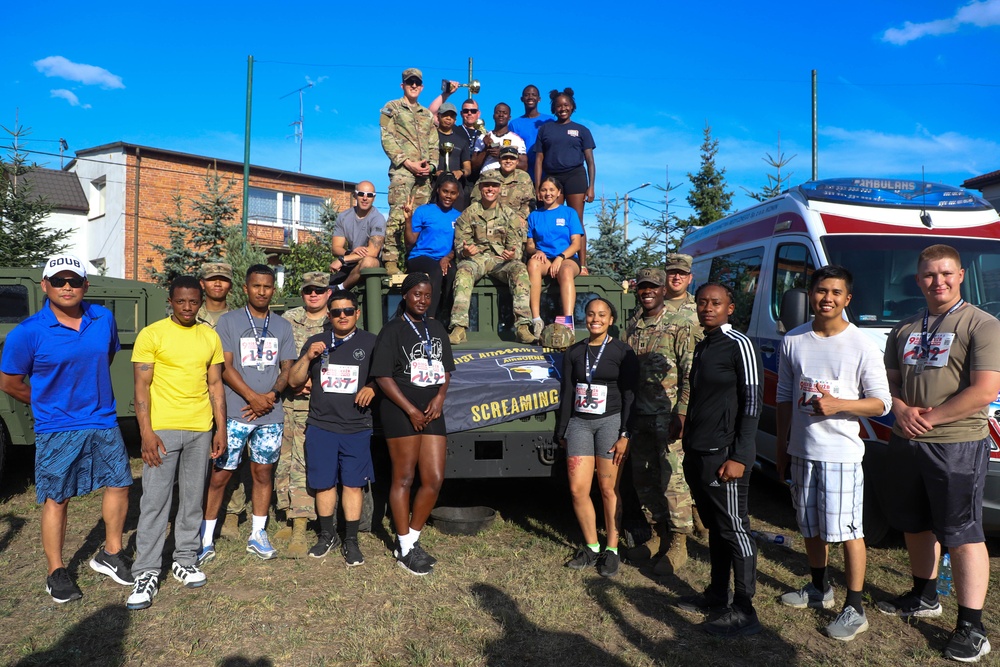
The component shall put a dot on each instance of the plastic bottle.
(773, 538)
(944, 576)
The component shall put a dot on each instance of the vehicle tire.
(876, 523)
(4, 443)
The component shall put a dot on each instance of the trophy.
(447, 147)
(474, 87)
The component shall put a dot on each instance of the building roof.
(278, 174)
(979, 182)
(60, 189)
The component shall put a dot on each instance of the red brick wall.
(162, 176)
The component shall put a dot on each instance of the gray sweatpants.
(187, 460)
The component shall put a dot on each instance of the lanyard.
(425, 340)
(334, 344)
(925, 338)
(586, 359)
(263, 334)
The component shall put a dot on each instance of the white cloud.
(69, 96)
(87, 74)
(982, 14)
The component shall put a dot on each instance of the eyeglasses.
(470, 110)
(337, 312)
(364, 195)
(413, 82)
(75, 283)
(312, 289)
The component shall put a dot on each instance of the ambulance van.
(876, 228)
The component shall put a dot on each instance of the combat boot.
(642, 553)
(231, 527)
(284, 533)
(525, 334)
(392, 268)
(700, 530)
(297, 546)
(457, 335)
(675, 558)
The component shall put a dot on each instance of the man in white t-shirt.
(830, 373)
(486, 149)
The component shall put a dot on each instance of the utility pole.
(815, 174)
(626, 209)
(300, 123)
(246, 147)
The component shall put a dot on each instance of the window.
(740, 271)
(13, 303)
(284, 208)
(98, 188)
(792, 270)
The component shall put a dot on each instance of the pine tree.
(776, 183)
(24, 238)
(708, 196)
(241, 254)
(609, 255)
(178, 258)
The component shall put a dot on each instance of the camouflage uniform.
(517, 192)
(665, 346)
(408, 133)
(290, 472)
(491, 231)
(687, 308)
(204, 317)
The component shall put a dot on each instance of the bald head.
(364, 197)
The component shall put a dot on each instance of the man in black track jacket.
(719, 447)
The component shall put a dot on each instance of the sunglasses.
(337, 312)
(364, 195)
(75, 283)
(470, 110)
(413, 82)
(312, 289)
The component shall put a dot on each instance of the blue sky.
(901, 85)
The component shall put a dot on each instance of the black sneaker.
(61, 587)
(967, 643)
(909, 605)
(324, 544)
(414, 562)
(431, 560)
(352, 553)
(734, 622)
(115, 566)
(708, 602)
(583, 559)
(607, 563)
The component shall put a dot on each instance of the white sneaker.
(189, 575)
(144, 590)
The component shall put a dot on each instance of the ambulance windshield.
(884, 269)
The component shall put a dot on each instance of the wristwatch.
(625, 434)
(561, 256)
(277, 395)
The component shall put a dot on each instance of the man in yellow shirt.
(178, 394)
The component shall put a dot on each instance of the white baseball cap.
(64, 263)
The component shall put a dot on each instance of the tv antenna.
(299, 134)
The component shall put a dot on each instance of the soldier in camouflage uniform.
(665, 344)
(517, 191)
(489, 240)
(410, 140)
(678, 299)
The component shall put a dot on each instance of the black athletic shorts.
(574, 181)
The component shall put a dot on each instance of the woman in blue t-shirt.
(562, 148)
(555, 237)
(430, 239)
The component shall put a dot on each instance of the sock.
(406, 542)
(819, 578)
(613, 550)
(854, 600)
(258, 523)
(973, 616)
(207, 532)
(326, 525)
(594, 547)
(351, 532)
(925, 588)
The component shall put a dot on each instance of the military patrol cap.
(217, 269)
(508, 150)
(656, 277)
(558, 336)
(315, 279)
(59, 263)
(679, 262)
(412, 71)
(491, 176)
(447, 107)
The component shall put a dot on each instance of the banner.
(498, 385)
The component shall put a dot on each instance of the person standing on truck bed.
(944, 371)
(829, 374)
(489, 240)
(678, 279)
(66, 350)
(179, 396)
(665, 345)
(217, 282)
(719, 450)
(358, 237)
(259, 351)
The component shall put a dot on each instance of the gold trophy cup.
(447, 147)
(474, 86)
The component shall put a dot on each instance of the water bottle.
(774, 538)
(944, 576)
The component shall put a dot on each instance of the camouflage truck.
(134, 304)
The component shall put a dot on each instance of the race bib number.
(248, 353)
(591, 399)
(424, 373)
(809, 388)
(337, 379)
(937, 356)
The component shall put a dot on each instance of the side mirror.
(794, 309)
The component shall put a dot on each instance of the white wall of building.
(101, 239)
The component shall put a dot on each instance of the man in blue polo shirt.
(66, 349)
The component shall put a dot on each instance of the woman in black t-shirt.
(599, 379)
(412, 365)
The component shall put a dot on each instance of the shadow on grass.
(95, 536)
(240, 661)
(524, 643)
(18, 471)
(96, 640)
(12, 526)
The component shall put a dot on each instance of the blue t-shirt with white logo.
(435, 229)
(552, 230)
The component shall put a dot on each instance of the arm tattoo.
(377, 242)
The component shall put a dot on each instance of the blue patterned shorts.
(264, 441)
(74, 463)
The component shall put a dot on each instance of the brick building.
(130, 190)
(989, 185)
